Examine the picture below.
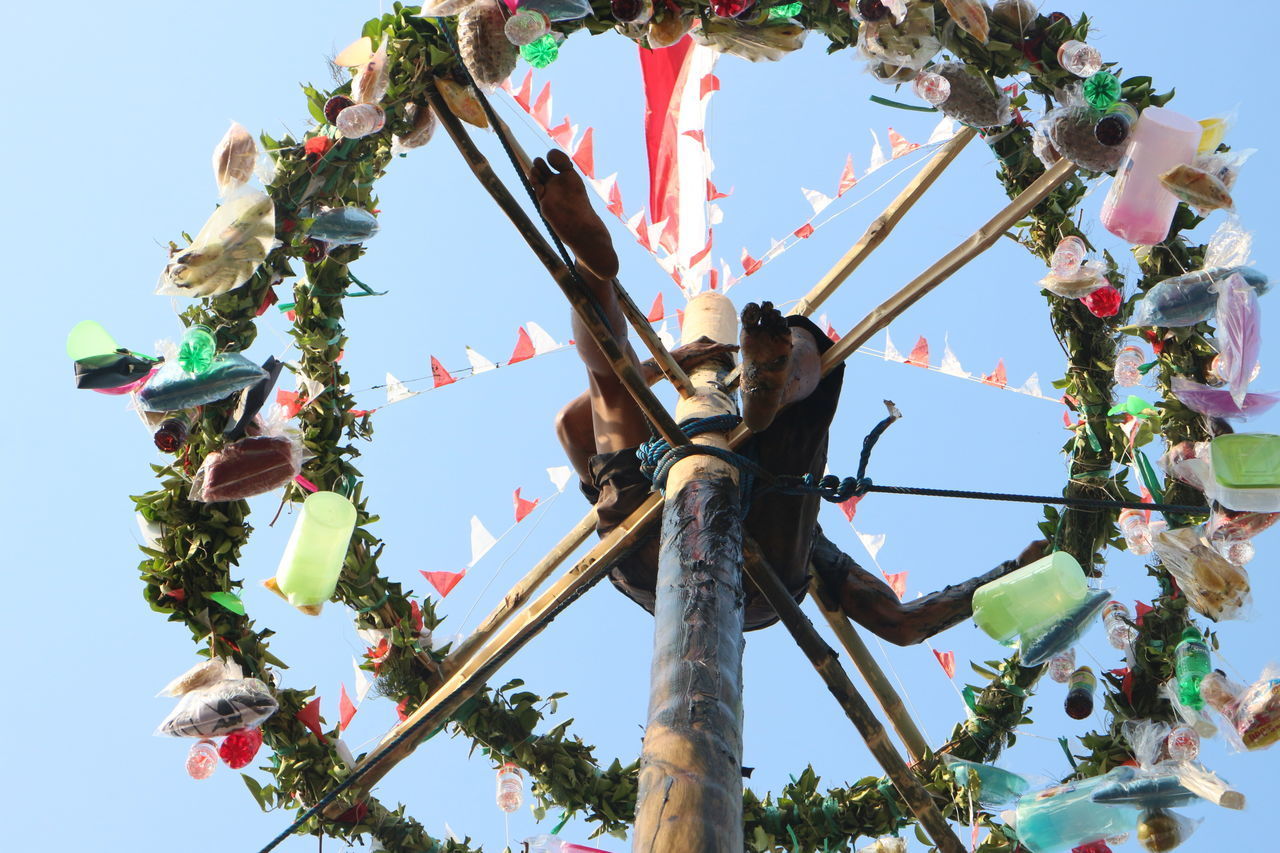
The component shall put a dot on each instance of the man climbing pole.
(787, 404)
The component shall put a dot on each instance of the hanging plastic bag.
(997, 788)
(172, 389)
(1070, 128)
(1065, 816)
(1186, 299)
(1239, 333)
(1220, 402)
(972, 98)
(216, 700)
(770, 41)
(1041, 643)
(1252, 713)
(1156, 785)
(1206, 183)
(1159, 830)
(227, 251)
(234, 159)
(1188, 462)
(909, 43)
(343, 226)
(250, 466)
(1213, 586)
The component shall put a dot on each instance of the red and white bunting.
(522, 506)
(479, 364)
(897, 582)
(481, 540)
(919, 356)
(899, 146)
(439, 376)
(656, 314)
(524, 348)
(346, 709)
(848, 180)
(947, 660)
(444, 582)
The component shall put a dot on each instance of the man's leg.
(617, 423)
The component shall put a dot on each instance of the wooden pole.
(824, 660)
(674, 372)
(882, 226)
(890, 701)
(587, 310)
(472, 675)
(689, 796)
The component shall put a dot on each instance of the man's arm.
(870, 602)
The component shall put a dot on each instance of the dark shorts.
(782, 525)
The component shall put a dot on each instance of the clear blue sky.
(114, 110)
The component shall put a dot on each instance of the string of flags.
(657, 229)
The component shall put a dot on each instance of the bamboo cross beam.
(470, 677)
(587, 310)
(882, 226)
(674, 372)
(890, 701)
(825, 661)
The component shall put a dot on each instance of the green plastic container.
(1029, 598)
(312, 561)
(1246, 469)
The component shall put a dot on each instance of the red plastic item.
(239, 748)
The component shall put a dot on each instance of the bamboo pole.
(882, 226)
(824, 660)
(519, 594)
(472, 675)
(977, 243)
(587, 310)
(890, 701)
(674, 372)
(689, 794)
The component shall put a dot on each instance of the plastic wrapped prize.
(342, 226)
(172, 389)
(227, 251)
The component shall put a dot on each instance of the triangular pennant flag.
(679, 318)
(776, 248)
(523, 507)
(702, 253)
(402, 709)
(525, 91)
(896, 581)
(850, 507)
(542, 107)
(998, 376)
(847, 177)
(346, 710)
(950, 364)
(362, 681)
(585, 155)
(919, 353)
(873, 542)
(715, 279)
(828, 329)
(563, 133)
(479, 364)
(1031, 386)
(524, 348)
(309, 716)
(657, 312)
(668, 339)
(948, 662)
(638, 226)
(898, 145)
(877, 154)
(697, 136)
(890, 351)
(439, 375)
(818, 201)
(803, 231)
(444, 582)
(708, 84)
(397, 390)
(481, 541)
(291, 402)
(944, 130)
(542, 342)
(559, 476)
(714, 194)
(749, 264)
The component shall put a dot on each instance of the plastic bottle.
(510, 788)
(932, 88)
(1183, 743)
(1137, 533)
(1080, 689)
(197, 349)
(172, 433)
(1191, 665)
(1080, 59)
(1128, 360)
(308, 571)
(526, 25)
(202, 759)
(1029, 598)
(1068, 257)
(1119, 632)
(1062, 665)
(1138, 208)
(360, 120)
(1114, 127)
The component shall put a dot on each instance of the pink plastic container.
(1138, 208)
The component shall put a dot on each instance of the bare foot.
(766, 359)
(563, 198)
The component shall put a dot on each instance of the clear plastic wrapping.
(227, 251)
(1213, 586)
(250, 466)
(172, 389)
(215, 700)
